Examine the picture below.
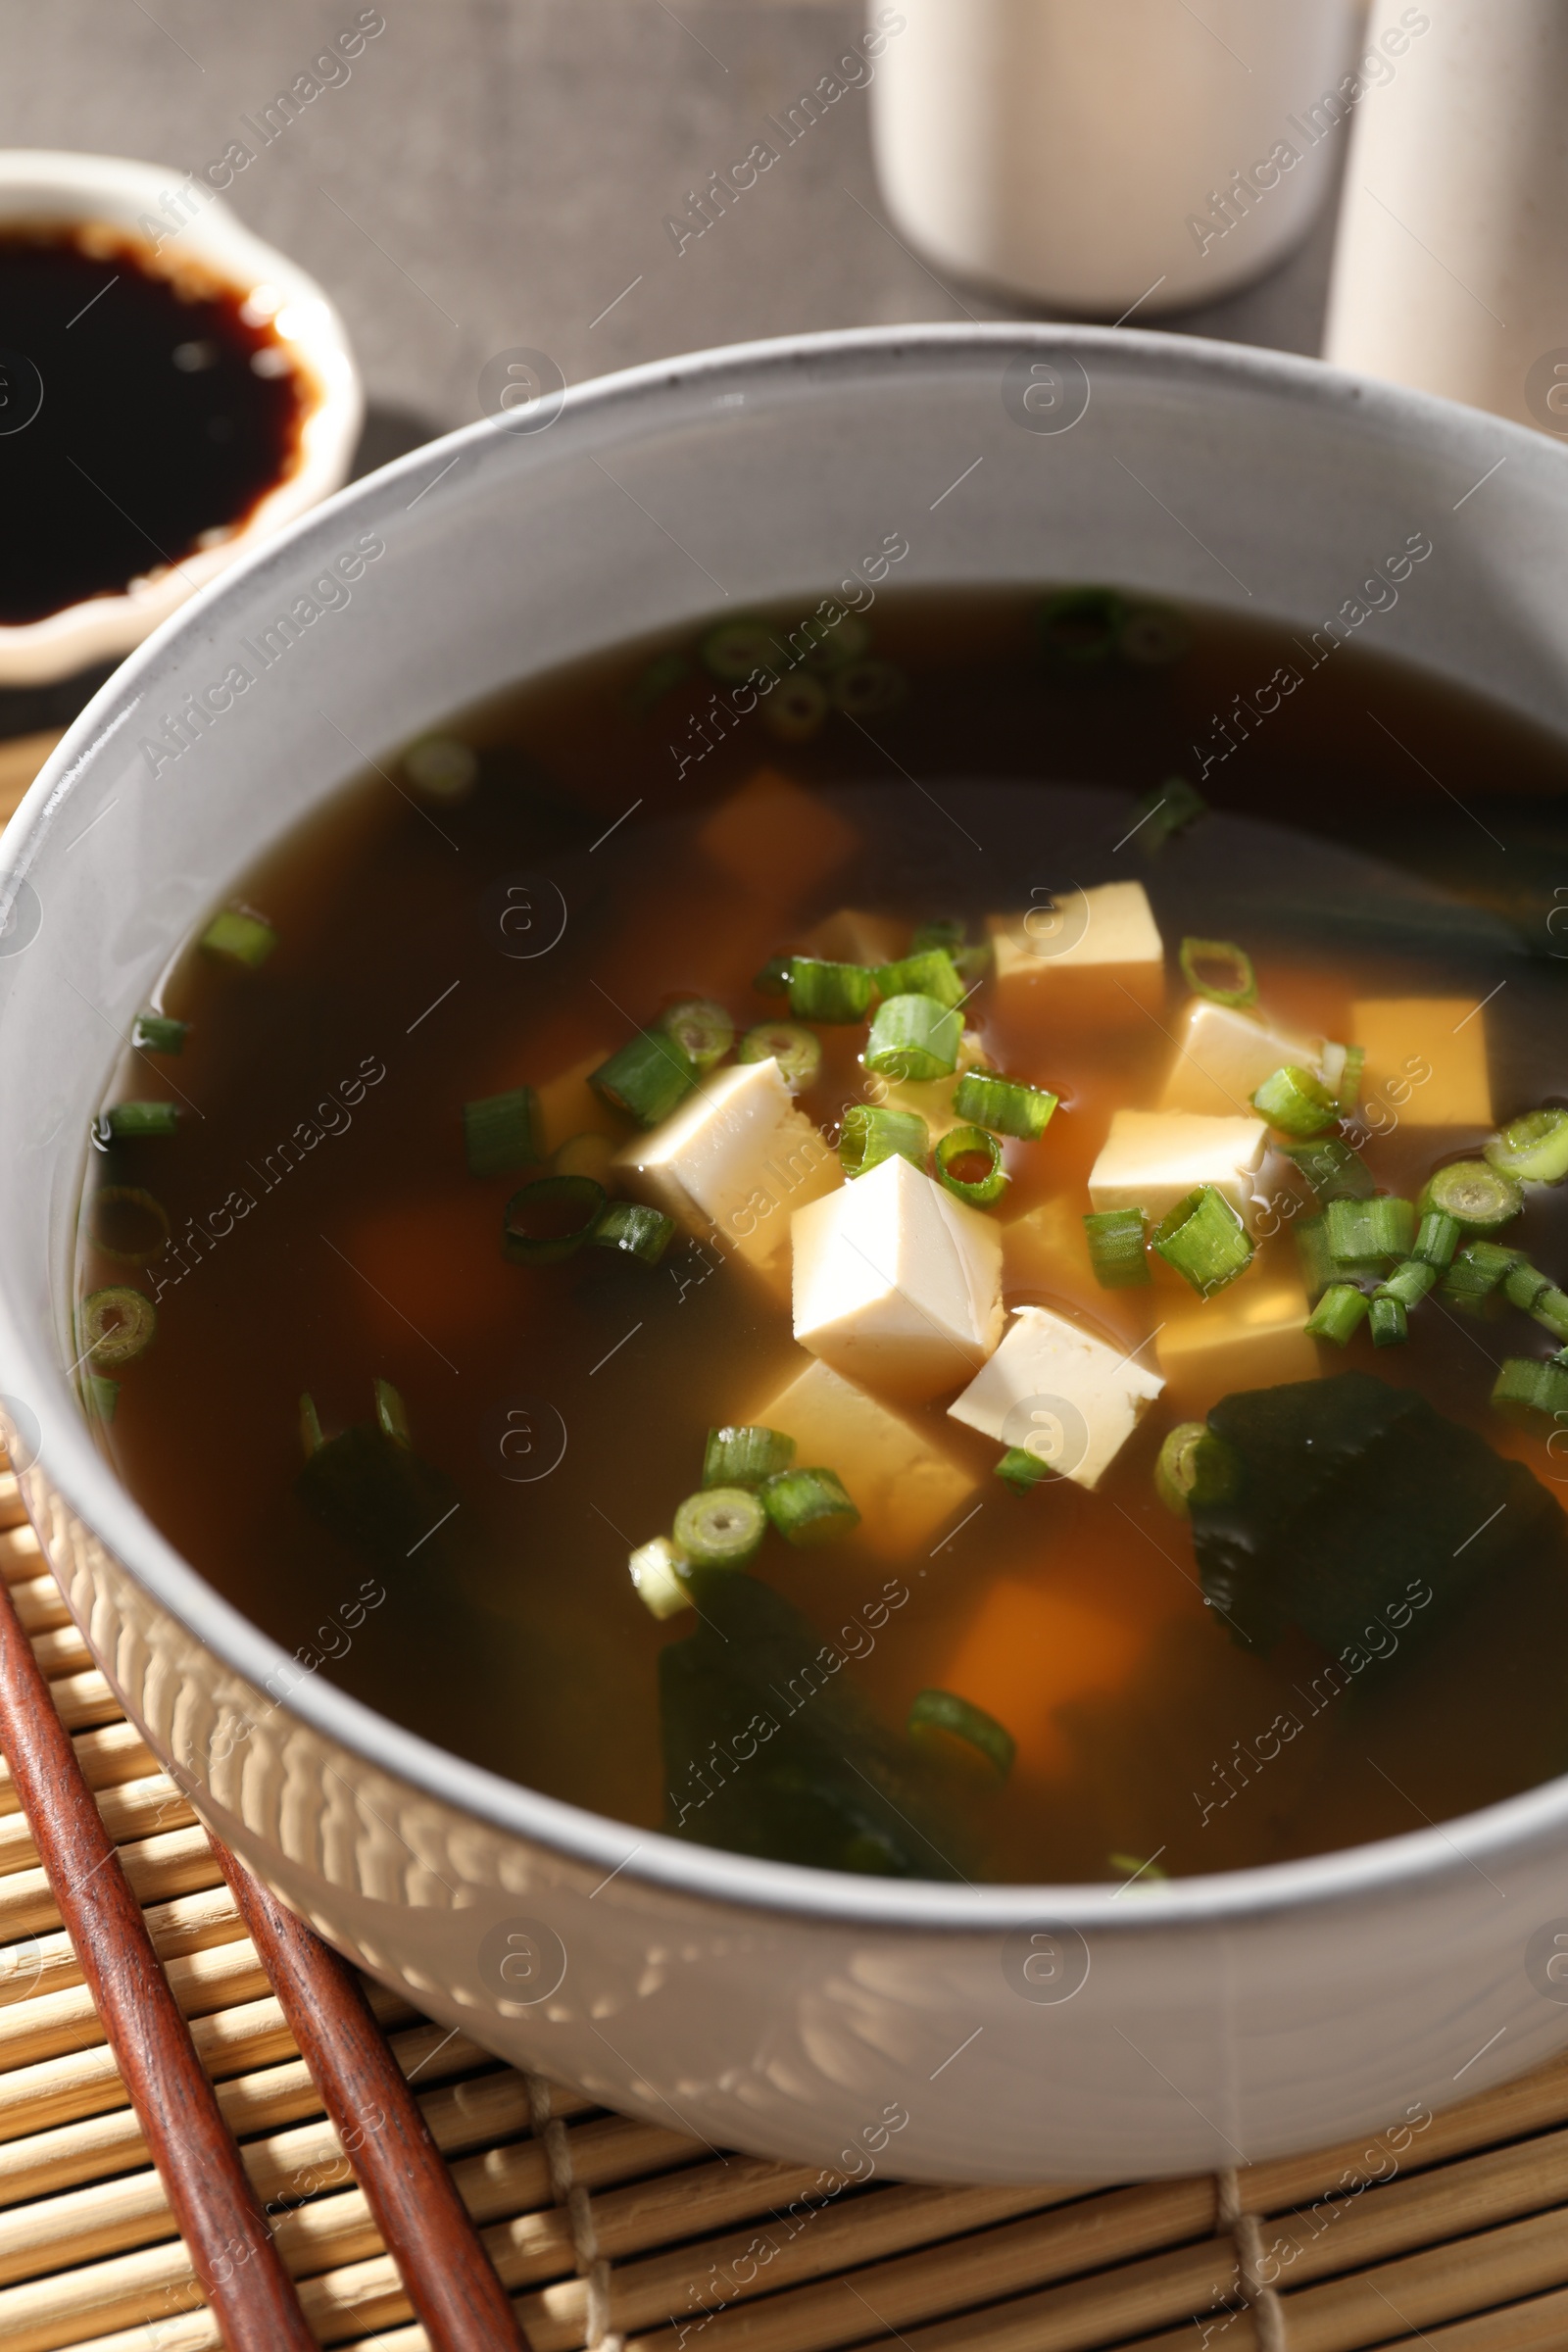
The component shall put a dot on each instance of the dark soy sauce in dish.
(568, 861)
(145, 413)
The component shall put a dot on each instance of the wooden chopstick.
(250, 2294)
(421, 2219)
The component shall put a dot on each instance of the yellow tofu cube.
(906, 1489)
(1249, 1335)
(851, 935)
(1152, 1159)
(1223, 1057)
(1098, 956)
(1426, 1059)
(775, 838)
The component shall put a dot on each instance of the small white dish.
(173, 213)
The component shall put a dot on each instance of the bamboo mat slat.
(1464, 2246)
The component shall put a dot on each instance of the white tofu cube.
(1249, 1335)
(1061, 1394)
(852, 936)
(896, 1283)
(1099, 953)
(1152, 1159)
(906, 1489)
(1223, 1057)
(732, 1163)
(1425, 1061)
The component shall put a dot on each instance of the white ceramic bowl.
(192, 225)
(763, 2006)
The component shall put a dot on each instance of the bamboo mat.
(1449, 2232)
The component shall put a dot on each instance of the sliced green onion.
(1523, 1285)
(310, 1438)
(795, 709)
(1389, 1324)
(657, 1572)
(1006, 1106)
(1312, 1251)
(500, 1132)
(441, 767)
(820, 991)
(1436, 1238)
(116, 1326)
(630, 1225)
(1526, 1386)
(944, 931)
(156, 1033)
(1079, 627)
(719, 1526)
(1169, 809)
(128, 1119)
(1153, 636)
(585, 1155)
(102, 1396)
(1478, 1270)
(1205, 1240)
(797, 1051)
(1132, 1866)
(744, 1454)
(1117, 1248)
(913, 1037)
(1549, 1309)
(1294, 1101)
(736, 649)
(968, 1162)
(1477, 1196)
(662, 676)
(1194, 1466)
(647, 1079)
(938, 1715)
(1238, 983)
(1534, 1149)
(871, 1133)
(865, 689)
(239, 937)
(773, 980)
(1410, 1282)
(1338, 1313)
(704, 1029)
(1333, 1170)
(1022, 1470)
(1364, 1233)
(127, 1224)
(810, 1506)
(1346, 1081)
(392, 1415)
(931, 973)
(550, 1219)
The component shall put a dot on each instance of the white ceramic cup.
(1097, 157)
(187, 221)
(1077, 2032)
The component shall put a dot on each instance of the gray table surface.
(497, 173)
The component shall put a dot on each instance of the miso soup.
(929, 1242)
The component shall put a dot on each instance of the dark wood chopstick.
(424, 2225)
(235, 2258)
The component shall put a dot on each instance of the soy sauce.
(145, 408)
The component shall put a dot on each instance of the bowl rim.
(72, 1467)
(58, 183)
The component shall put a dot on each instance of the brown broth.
(1075, 1617)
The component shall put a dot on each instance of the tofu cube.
(568, 1106)
(852, 936)
(1099, 958)
(1249, 1335)
(775, 838)
(732, 1164)
(1223, 1057)
(1426, 1059)
(897, 1286)
(905, 1488)
(1152, 1159)
(1061, 1394)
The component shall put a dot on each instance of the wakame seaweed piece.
(1169, 809)
(647, 1079)
(1333, 1170)
(1353, 1498)
(770, 1750)
(374, 1493)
